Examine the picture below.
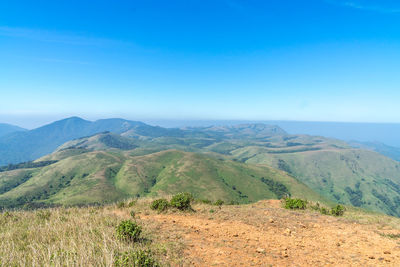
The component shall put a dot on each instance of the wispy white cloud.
(378, 6)
(54, 37)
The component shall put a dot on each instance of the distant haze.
(388, 133)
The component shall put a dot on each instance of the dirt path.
(266, 235)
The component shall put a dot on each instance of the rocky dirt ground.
(264, 234)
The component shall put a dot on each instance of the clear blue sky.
(318, 60)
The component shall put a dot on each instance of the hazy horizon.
(33, 122)
(385, 133)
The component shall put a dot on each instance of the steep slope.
(8, 128)
(99, 176)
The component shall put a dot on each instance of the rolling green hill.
(141, 160)
(350, 176)
(99, 176)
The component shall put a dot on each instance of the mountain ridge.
(6, 128)
(29, 145)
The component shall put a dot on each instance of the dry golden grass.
(257, 233)
(76, 237)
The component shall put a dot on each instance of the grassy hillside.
(358, 177)
(139, 162)
(100, 176)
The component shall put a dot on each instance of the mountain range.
(82, 162)
(20, 146)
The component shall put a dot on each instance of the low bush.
(132, 203)
(295, 204)
(159, 204)
(182, 201)
(219, 202)
(324, 211)
(129, 231)
(338, 210)
(121, 205)
(138, 258)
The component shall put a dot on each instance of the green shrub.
(295, 204)
(121, 205)
(138, 258)
(338, 210)
(212, 211)
(129, 231)
(159, 204)
(324, 211)
(132, 203)
(219, 202)
(182, 201)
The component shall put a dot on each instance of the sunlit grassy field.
(84, 236)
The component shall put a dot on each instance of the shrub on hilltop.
(182, 201)
(295, 204)
(159, 204)
(129, 231)
(338, 210)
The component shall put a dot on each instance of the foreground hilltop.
(258, 234)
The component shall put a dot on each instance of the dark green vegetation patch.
(129, 231)
(279, 189)
(27, 165)
(295, 204)
(181, 201)
(160, 205)
(139, 258)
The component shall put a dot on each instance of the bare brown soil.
(264, 234)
